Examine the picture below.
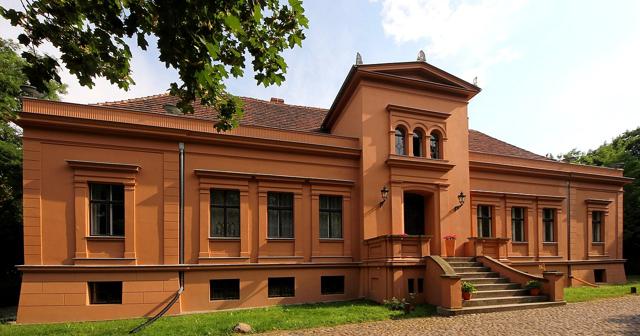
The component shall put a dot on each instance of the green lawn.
(585, 293)
(220, 323)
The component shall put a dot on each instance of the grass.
(585, 293)
(220, 323)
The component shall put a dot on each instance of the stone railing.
(397, 247)
(490, 246)
(444, 289)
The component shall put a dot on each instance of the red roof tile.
(300, 118)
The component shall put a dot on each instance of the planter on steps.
(450, 247)
(466, 295)
(534, 291)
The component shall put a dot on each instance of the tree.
(623, 151)
(12, 77)
(205, 40)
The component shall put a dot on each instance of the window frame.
(110, 203)
(600, 229)
(280, 208)
(418, 140)
(400, 138)
(92, 288)
(329, 211)
(519, 221)
(225, 207)
(552, 222)
(227, 297)
(481, 222)
(280, 293)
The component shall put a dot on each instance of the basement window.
(600, 275)
(411, 286)
(420, 285)
(105, 292)
(224, 289)
(332, 284)
(282, 287)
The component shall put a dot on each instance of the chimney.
(277, 100)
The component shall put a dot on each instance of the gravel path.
(619, 316)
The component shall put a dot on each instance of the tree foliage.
(207, 41)
(12, 76)
(622, 152)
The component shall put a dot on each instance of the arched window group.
(418, 143)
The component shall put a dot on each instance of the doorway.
(414, 214)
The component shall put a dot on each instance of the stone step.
(459, 259)
(481, 294)
(503, 300)
(467, 269)
(468, 275)
(496, 286)
(497, 308)
(455, 264)
(496, 280)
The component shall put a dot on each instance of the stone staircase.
(494, 292)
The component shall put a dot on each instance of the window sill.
(597, 243)
(281, 239)
(331, 240)
(519, 242)
(549, 243)
(225, 238)
(108, 238)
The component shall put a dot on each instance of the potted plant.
(534, 287)
(467, 289)
(450, 244)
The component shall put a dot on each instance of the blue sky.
(555, 75)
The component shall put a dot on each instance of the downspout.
(181, 245)
(570, 275)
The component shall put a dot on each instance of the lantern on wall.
(461, 198)
(384, 192)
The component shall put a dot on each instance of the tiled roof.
(301, 118)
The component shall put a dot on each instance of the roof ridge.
(131, 100)
(292, 105)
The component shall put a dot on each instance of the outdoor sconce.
(461, 198)
(385, 194)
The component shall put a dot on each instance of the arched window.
(417, 143)
(400, 141)
(435, 146)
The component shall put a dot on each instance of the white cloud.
(474, 33)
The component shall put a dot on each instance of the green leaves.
(205, 42)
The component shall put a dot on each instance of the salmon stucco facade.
(129, 207)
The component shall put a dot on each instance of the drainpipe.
(181, 245)
(570, 275)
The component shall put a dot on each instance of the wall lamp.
(384, 192)
(461, 197)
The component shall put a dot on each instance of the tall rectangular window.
(411, 286)
(282, 287)
(420, 285)
(548, 224)
(225, 213)
(332, 284)
(280, 215)
(517, 224)
(224, 289)
(106, 204)
(484, 221)
(330, 216)
(105, 292)
(596, 225)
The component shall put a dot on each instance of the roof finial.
(475, 80)
(358, 59)
(421, 56)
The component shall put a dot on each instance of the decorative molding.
(402, 161)
(413, 110)
(103, 166)
(593, 201)
(269, 177)
(492, 193)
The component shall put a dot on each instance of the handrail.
(447, 270)
(517, 271)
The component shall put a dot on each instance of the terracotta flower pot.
(534, 291)
(466, 295)
(450, 247)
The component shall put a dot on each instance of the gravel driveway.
(619, 316)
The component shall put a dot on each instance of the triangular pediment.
(420, 71)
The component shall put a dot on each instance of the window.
(225, 213)
(411, 286)
(400, 144)
(435, 146)
(548, 224)
(107, 292)
(106, 209)
(282, 287)
(517, 224)
(420, 285)
(330, 216)
(484, 221)
(333, 284)
(417, 143)
(596, 225)
(599, 275)
(280, 215)
(224, 289)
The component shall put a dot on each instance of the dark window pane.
(232, 198)
(324, 202)
(417, 143)
(286, 200)
(117, 219)
(105, 292)
(420, 285)
(435, 146)
(336, 202)
(217, 222)
(272, 199)
(217, 197)
(484, 221)
(227, 289)
(336, 225)
(99, 192)
(106, 209)
(117, 193)
(233, 222)
(324, 225)
(286, 224)
(99, 219)
(332, 285)
(281, 287)
(273, 224)
(400, 140)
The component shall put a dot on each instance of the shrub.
(395, 303)
(533, 284)
(468, 287)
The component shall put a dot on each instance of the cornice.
(269, 177)
(402, 161)
(103, 166)
(185, 267)
(413, 110)
(491, 193)
(593, 201)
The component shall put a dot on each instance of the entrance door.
(413, 214)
